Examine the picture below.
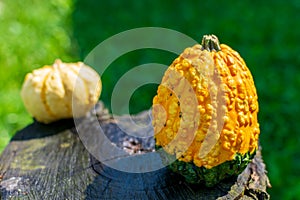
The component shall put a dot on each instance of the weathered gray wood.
(50, 162)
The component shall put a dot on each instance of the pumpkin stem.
(210, 43)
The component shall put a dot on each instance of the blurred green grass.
(265, 33)
(33, 33)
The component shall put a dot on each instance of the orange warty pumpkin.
(205, 113)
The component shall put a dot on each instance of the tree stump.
(51, 162)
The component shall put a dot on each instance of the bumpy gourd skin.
(205, 113)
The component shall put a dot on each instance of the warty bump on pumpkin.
(59, 91)
(205, 113)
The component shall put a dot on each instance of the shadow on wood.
(39, 130)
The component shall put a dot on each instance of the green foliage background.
(265, 33)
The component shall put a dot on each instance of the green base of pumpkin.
(210, 177)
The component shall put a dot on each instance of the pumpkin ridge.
(43, 96)
(56, 65)
(68, 93)
(92, 97)
(87, 91)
